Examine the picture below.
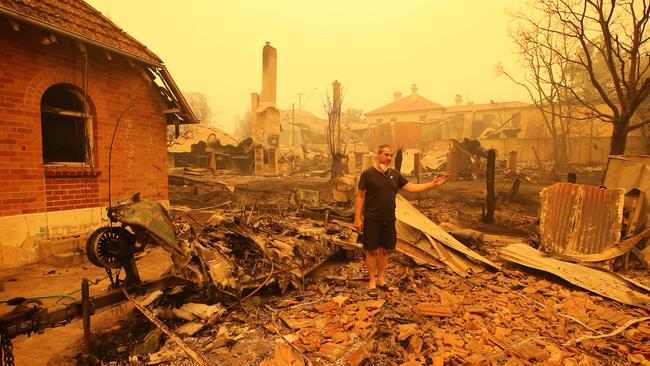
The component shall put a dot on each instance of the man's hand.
(358, 225)
(440, 180)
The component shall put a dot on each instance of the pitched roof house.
(83, 106)
(416, 122)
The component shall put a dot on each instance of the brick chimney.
(269, 73)
(458, 100)
(397, 96)
(414, 93)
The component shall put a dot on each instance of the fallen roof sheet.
(601, 282)
(579, 219)
(406, 214)
(614, 251)
(199, 132)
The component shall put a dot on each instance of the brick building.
(415, 122)
(68, 78)
(401, 122)
(418, 123)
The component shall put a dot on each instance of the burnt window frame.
(84, 115)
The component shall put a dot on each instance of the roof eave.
(377, 111)
(41, 24)
(179, 95)
(159, 64)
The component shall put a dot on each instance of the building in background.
(402, 121)
(415, 122)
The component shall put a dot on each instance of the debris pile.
(198, 188)
(236, 256)
(426, 317)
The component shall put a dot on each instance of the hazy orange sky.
(373, 47)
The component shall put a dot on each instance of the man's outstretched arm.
(421, 187)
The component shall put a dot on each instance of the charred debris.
(269, 296)
(261, 281)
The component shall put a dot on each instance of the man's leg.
(371, 263)
(382, 264)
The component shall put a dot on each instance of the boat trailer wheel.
(110, 247)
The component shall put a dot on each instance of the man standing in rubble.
(374, 211)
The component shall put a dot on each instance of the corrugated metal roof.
(198, 133)
(579, 219)
(601, 282)
(449, 252)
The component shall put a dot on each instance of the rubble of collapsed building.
(447, 303)
(280, 142)
(259, 282)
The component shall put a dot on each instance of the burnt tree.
(606, 44)
(333, 110)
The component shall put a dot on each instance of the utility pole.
(293, 124)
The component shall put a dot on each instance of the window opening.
(66, 127)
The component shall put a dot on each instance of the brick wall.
(381, 134)
(71, 188)
(408, 135)
(139, 162)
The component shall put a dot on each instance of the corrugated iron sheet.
(410, 220)
(601, 282)
(579, 219)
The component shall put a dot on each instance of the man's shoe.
(373, 292)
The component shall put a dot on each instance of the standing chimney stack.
(414, 93)
(459, 100)
(397, 95)
(269, 74)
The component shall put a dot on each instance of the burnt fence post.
(490, 199)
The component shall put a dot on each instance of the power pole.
(293, 124)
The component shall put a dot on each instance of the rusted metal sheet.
(613, 251)
(153, 218)
(601, 282)
(578, 219)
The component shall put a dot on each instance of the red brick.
(27, 73)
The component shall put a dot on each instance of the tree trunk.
(564, 156)
(560, 154)
(619, 139)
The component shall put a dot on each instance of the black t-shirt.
(381, 189)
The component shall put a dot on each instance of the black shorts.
(379, 234)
